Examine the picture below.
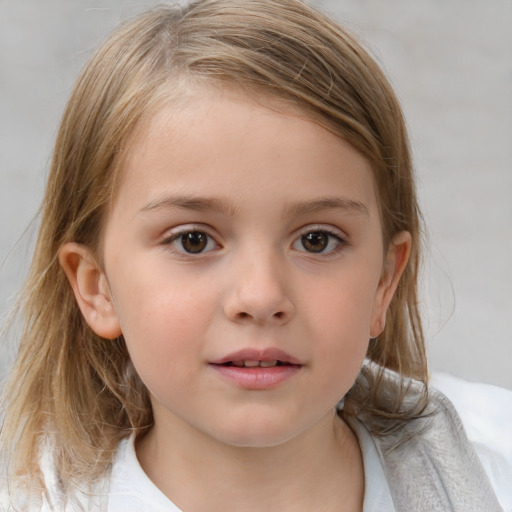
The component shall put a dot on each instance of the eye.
(318, 241)
(191, 242)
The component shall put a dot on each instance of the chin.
(258, 442)
(257, 434)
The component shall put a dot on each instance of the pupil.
(315, 242)
(194, 242)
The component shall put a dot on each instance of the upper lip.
(253, 354)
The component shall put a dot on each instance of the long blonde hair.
(82, 390)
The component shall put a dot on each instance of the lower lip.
(257, 377)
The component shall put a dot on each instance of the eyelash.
(330, 234)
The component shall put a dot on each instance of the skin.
(252, 182)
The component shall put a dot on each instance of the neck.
(321, 466)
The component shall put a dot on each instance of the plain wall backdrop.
(451, 64)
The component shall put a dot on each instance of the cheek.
(164, 325)
(344, 306)
(340, 312)
(165, 302)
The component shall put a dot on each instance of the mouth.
(254, 358)
(256, 364)
(256, 369)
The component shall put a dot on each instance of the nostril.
(242, 315)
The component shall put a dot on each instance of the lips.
(257, 369)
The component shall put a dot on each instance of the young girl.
(222, 309)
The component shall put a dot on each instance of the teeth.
(254, 364)
(268, 364)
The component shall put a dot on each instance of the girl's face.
(246, 268)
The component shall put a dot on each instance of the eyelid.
(185, 228)
(325, 228)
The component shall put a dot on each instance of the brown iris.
(315, 242)
(194, 242)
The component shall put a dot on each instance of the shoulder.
(428, 459)
(486, 415)
(485, 410)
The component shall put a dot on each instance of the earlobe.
(397, 257)
(91, 289)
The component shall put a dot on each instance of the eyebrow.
(185, 202)
(328, 203)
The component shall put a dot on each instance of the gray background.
(451, 63)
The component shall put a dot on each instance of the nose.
(258, 293)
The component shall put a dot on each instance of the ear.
(91, 289)
(396, 260)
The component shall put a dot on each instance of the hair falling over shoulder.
(80, 390)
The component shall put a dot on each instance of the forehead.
(224, 140)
